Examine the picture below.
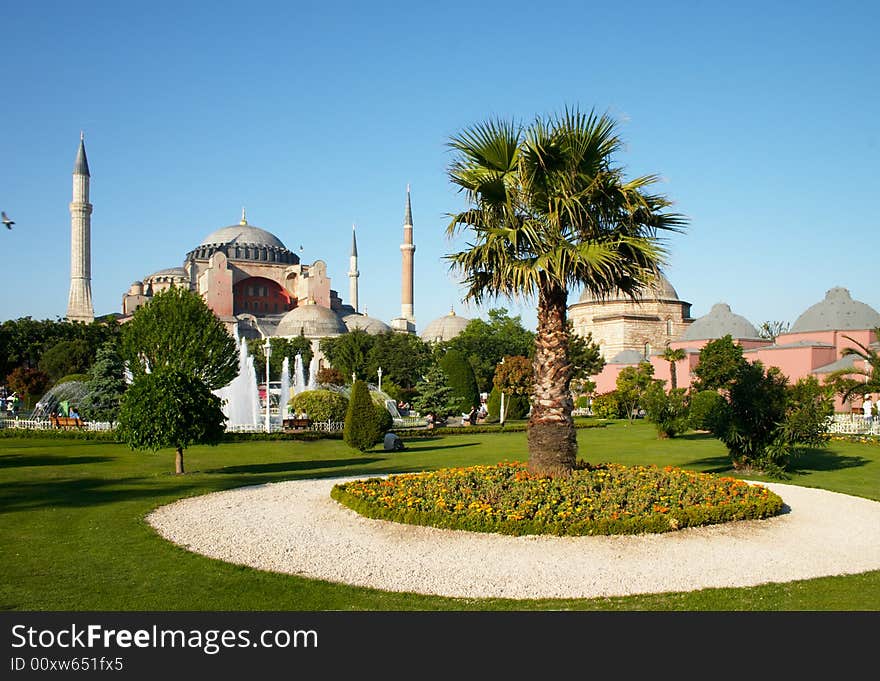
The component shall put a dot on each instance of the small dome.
(242, 234)
(371, 325)
(837, 312)
(312, 321)
(444, 328)
(628, 357)
(661, 289)
(718, 323)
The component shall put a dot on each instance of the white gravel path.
(296, 528)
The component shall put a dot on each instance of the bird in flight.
(6, 220)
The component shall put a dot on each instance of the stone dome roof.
(242, 234)
(628, 357)
(312, 321)
(719, 323)
(371, 325)
(169, 273)
(444, 328)
(837, 312)
(661, 289)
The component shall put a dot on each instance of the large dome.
(661, 289)
(444, 328)
(371, 325)
(718, 323)
(242, 234)
(312, 321)
(837, 312)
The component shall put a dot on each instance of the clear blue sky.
(761, 117)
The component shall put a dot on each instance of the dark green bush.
(362, 429)
(704, 409)
(515, 406)
(668, 411)
(460, 377)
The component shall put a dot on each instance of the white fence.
(45, 424)
(852, 424)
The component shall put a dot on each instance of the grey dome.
(242, 234)
(661, 289)
(169, 273)
(718, 323)
(312, 321)
(628, 357)
(444, 328)
(837, 312)
(371, 325)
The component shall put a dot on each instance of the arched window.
(668, 327)
(647, 350)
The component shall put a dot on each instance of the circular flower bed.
(600, 499)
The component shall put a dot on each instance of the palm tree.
(673, 356)
(549, 211)
(842, 379)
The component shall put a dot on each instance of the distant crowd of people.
(10, 403)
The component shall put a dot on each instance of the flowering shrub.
(601, 499)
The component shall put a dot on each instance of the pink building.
(813, 346)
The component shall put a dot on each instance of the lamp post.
(501, 412)
(380, 379)
(268, 351)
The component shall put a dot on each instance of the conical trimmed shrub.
(362, 429)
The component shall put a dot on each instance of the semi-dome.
(312, 321)
(837, 312)
(718, 323)
(371, 325)
(444, 328)
(168, 273)
(660, 289)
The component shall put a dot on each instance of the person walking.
(868, 411)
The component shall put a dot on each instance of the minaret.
(79, 302)
(406, 321)
(353, 273)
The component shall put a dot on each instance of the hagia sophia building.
(252, 281)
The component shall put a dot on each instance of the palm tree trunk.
(551, 434)
(178, 461)
(673, 379)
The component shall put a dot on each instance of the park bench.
(65, 422)
(297, 424)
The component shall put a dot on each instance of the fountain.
(241, 399)
(284, 397)
(313, 373)
(71, 392)
(298, 379)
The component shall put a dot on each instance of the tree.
(66, 357)
(673, 357)
(281, 348)
(719, 364)
(485, 343)
(771, 329)
(404, 358)
(179, 331)
(548, 210)
(585, 357)
(844, 381)
(633, 384)
(362, 429)
(27, 382)
(348, 353)
(320, 405)
(461, 379)
(330, 376)
(106, 386)
(170, 408)
(434, 395)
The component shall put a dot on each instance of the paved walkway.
(295, 528)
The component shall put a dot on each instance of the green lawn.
(73, 535)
